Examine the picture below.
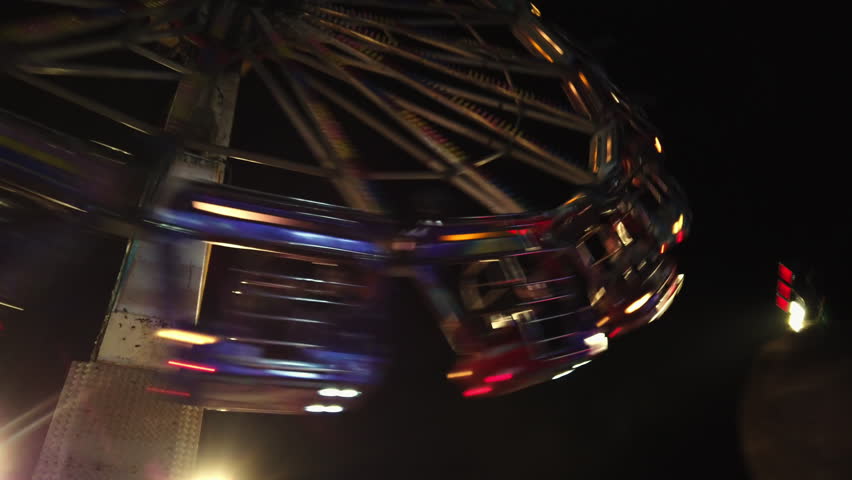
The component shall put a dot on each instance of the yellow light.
(796, 321)
(535, 11)
(658, 145)
(615, 98)
(184, 336)
(602, 321)
(552, 43)
(459, 374)
(621, 230)
(472, 236)
(584, 80)
(13, 307)
(242, 214)
(638, 303)
(677, 226)
(540, 50)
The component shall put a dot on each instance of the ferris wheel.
(525, 172)
(480, 104)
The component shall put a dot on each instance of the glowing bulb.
(658, 145)
(597, 343)
(462, 373)
(535, 11)
(186, 337)
(796, 321)
(625, 237)
(328, 392)
(677, 226)
(348, 393)
(637, 304)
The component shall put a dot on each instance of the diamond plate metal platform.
(107, 427)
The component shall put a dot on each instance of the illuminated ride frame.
(468, 91)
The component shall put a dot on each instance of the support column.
(105, 425)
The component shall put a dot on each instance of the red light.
(680, 236)
(200, 368)
(782, 303)
(168, 392)
(785, 273)
(663, 248)
(616, 331)
(502, 377)
(520, 232)
(784, 290)
(472, 392)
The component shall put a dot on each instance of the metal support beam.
(107, 426)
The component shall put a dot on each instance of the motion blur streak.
(502, 377)
(472, 392)
(616, 332)
(472, 236)
(677, 226)
(240, 213)
(13, 307)
(602, 321)
(324, 408)
(459, 374)
(28, 414)
(638, 303)
(597, 343)
(187, 337)
(168, 392)
(658, 145)
(560, 375)
(190, 366)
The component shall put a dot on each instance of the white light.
(560, 375)
(236, 292)
(796, 321)
(324, 408)
(597, 343)
(345, 393)
(582, 363)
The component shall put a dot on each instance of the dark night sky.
(721, 84)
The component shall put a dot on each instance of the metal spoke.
(258, 158)
(155, 57)
(475, 185)
(565, 170)
(78, 3)
(82, 70)
(87, 103)
(64, 52)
